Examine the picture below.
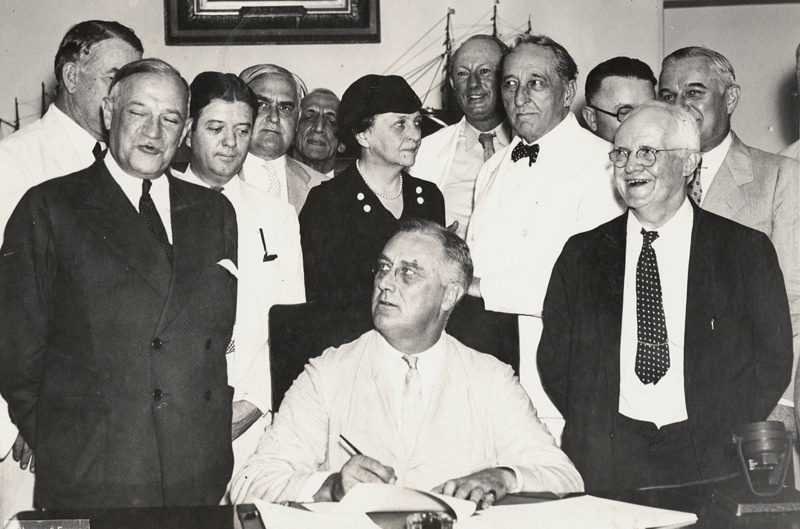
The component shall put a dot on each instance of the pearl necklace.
(381, 195)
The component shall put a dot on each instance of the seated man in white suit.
(427, 411)
(452, 157)
(222, 111)
(554, 180)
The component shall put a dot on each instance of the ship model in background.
(14, 125)
(433, 75)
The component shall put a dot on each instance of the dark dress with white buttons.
(344, 227)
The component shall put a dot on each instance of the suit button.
(156, 344)
(157, 394)
(208, 344)
(208, 395)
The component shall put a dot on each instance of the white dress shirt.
(254, 172)
(132, 187)
(664, 402)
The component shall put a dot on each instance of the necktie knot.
(695, 187)
(218, 189)
(411, 360)
(525, 151)
(486, 139)
(649, 236)
(146, 185)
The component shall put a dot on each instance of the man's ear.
(732, 97)
(69, 77)
(690, 164)
(452, 294)
(569, 93)
(108, 111)
(189, 135)
(590, 118)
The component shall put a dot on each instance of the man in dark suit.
(666, 328)
(118, 300)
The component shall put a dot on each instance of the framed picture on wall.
(230, 22)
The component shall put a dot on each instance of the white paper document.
(277, 516)
(583, 512)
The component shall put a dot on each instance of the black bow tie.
(525, 151)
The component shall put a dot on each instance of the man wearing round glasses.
(666, 328)
(613, 89)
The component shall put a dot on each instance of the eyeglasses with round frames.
(406, 273)
(620, 114)
(645, 155)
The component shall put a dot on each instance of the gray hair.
(151, 66)
(721, 67)
(566, 68)
(455, 250)
(684, 124)
(248, 75)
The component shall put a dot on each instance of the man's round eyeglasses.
(620, 114)
(645, 155)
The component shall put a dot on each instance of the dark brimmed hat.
(375, 94)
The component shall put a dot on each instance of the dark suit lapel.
(607, 287)
(189, 245)
(701, 296)
(111, 216)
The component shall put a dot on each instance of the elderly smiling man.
(666, 328)
(427, 411)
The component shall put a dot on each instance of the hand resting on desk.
(478, 487)
(358, 469)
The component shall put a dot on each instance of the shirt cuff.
(786, 402)
(306, 494)
(518, 476)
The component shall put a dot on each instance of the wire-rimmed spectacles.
(621, 114)
(645, 155)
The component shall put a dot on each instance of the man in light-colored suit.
(427, 411)
(755, 188)
(267, 166)
(552, 181)
(452, 157)
(270, 265)
(59, 143)
(793, 150)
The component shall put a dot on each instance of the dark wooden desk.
(697, 500)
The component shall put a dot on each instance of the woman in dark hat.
(346, 221)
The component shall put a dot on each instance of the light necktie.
(486, 140)
(412, 404)
(273, 182)
(652, 348)
(148, 212)
(525, 151)
(695, 188)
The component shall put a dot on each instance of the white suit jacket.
(518, 228)
(37, 152)
(436, 153)
(261, 284)
(478, 417)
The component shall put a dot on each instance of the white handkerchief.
(228, 265)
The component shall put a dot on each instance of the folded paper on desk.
(380, 497)
(277, 516)
(582, 512)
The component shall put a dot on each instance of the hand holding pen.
(358, 469)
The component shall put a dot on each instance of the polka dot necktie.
(486, 140)
(695, 189)
(652, 349)
(525, 151)
(412, 404)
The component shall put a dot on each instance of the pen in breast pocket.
(267, 256)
